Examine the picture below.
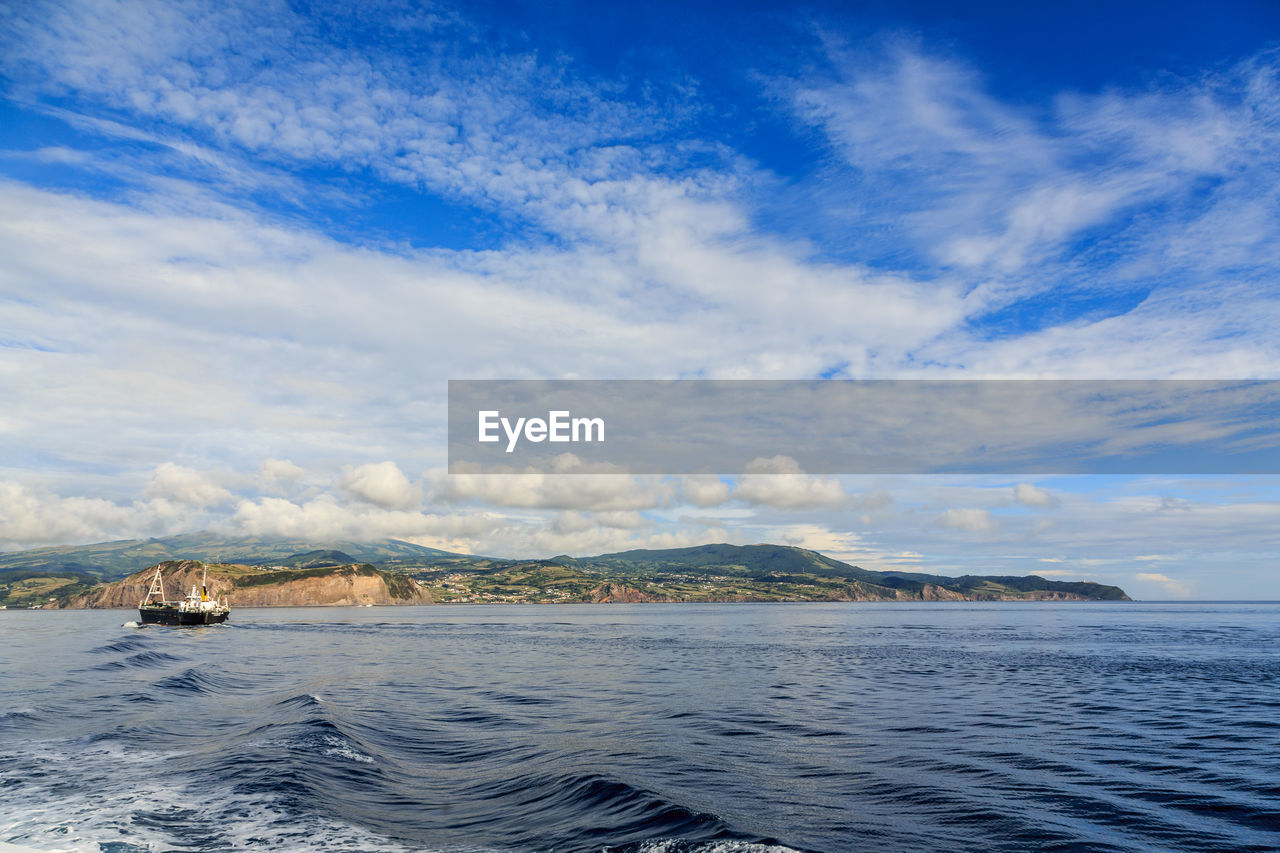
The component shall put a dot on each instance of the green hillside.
(115, 560)
(780, 563)
(703, 573)
(36, 587)
(727, 572)
(311, 560)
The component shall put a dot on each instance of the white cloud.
(569, 522)
(599, 492)
(779, 482)
(834, 543)
(1010, 184)
(30, 518)
(1030, 495)
(703, 490)
(325, 518)
(1103, 534)
(978, 520)
(1168, 586)
(185, 486)
(1001, 195)
(479, 531)
(278, 474)
(622, 520)
(381, 483)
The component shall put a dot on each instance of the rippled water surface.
(881, 727)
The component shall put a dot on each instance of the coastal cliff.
(402, 573)
(250, 586)
(611, 593)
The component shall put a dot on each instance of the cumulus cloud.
(185, 486)
(1029, 495)
(978, 520)
(325, 518)
(703, 490)
(570, 522)
(380, 483)
(30, 518)
(625, 520)
(524, 540)
(598, 492)
(779, 482)
(475, 531)
(278, 474)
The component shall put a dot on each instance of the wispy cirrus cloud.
(1015, 185)
(1092, 230)
(507, 127)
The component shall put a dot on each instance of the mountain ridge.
(119, 558)
(712, 572)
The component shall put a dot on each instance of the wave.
(154, 809)
(201, 680)
(678, 845)
(127, 643)
(765, 737)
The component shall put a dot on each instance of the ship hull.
(174, 616)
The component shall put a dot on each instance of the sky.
(243, 248)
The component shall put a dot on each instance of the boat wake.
(508, 731)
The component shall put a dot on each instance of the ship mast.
(157, 585)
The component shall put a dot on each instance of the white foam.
(675, 845)
(108, 798)
(338, 748)
(115, 784)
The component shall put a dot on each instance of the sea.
(647, 728)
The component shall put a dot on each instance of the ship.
(196, 609)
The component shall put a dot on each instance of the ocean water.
(662, 728)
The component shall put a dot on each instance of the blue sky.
(243, 246)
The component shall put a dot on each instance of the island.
(268, 573)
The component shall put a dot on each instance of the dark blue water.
(880, 727)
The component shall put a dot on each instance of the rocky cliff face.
(244, 586)
(933, 592)
(612, 592)
(335, 589)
